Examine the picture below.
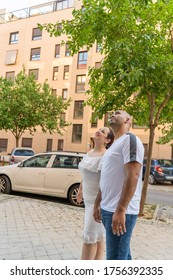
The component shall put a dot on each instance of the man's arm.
(132, 171)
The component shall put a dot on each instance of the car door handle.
(41, 173)
(71, 174)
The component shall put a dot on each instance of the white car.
(53, 174)
(19, 154)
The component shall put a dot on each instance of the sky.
(14, 5)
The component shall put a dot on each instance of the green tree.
(26, 104)
(136, 38)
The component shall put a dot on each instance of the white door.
(30, 176)
(61, 176)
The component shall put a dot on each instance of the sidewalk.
(37, 229)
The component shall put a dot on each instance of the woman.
(93, 233)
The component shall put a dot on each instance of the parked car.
(19, 154)
(161, 170)
(52, 174)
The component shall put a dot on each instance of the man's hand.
(118, 222)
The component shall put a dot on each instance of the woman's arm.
(97, 213)
(79, 194)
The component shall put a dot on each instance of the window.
(80, 83)
(83, 9)
(10, 75)
(36, 34)
(57, 50)
(62, 119)
(60, 145)
(27, 142)
(145, 149)
(94, 121)
(35, 54)
(34, 72)
(14, 38)
(66, 161)
(11, 57)
(49, 145)
(64, 4)
(67, 50)
(59, 26)
(57, 162)
(98, 47)
(98, 64)
(77, 133)
(78, 110)
(39, 161)
(65, 93)
(3, 144)
(55, 73)
(82, 59)
(54, 91)
(66, 72)
(135, 125)
(107, 118)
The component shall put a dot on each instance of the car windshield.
(23, 153)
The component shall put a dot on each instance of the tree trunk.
(147, 170)
(17, 141)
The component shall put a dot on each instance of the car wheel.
(73, 196)
(5, 185)
(151, 180)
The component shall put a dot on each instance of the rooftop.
(36, 10)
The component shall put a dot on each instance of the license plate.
(169, 177)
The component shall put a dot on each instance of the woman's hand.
(97, 210)
(79, 194)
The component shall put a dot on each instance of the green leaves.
(26, 104)
(137, 69)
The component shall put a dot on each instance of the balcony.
(36, 10)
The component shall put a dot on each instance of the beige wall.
(45, 65)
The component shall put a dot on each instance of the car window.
(70, 162)
(62, 161)
(37, 161)
(57, 162)
(23, 153)
(165, 162)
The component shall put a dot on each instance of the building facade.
(22, 43)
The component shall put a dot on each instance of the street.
(161, 194)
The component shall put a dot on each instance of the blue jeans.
(118, 247)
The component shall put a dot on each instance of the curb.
(156, 212)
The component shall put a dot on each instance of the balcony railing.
(36, 10)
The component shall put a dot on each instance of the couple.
(112, 196)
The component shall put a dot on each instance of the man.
(120, 187)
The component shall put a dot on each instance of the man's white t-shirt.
(127, 148)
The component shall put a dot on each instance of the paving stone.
(37, 229)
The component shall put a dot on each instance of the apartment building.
(22, 43)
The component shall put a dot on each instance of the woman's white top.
(90, 171)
